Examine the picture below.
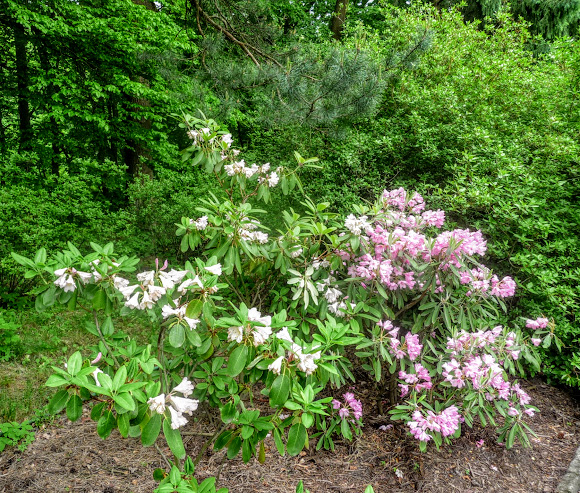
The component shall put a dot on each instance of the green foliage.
(16, 434)
(10, 342)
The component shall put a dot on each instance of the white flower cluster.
(247, 232)
(240, 168)
(357, 225)
(260, 333)
(144, 295)
(67, 278)
(306, 362)
(200, 223)
(198, 135)
(177, 406)
(179, 312)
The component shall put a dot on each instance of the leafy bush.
(412, 303)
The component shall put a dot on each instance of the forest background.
(474, 104)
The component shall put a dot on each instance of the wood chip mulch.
(70, 457)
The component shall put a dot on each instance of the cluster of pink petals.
(446, 422)
(481, 281)
(395, 238)
(411, 347)
(539, 323)
(420, 380)
(350, 405)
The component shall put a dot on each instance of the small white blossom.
(66, 282)
(177, 419)
(216, 270)
(94, 374)
(183, 405)
(236, 334)
(157, 404)
(261, 334)
(284, 335)
(276, 366)
(356, 225)
(133, 302)
(185, 387)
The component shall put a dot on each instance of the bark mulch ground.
(70, 457)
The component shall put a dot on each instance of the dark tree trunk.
(53, 131)
(338, 18)
(135, 153)
(22, 81)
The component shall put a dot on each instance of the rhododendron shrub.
(253, 310)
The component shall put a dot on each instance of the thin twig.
(169, 464)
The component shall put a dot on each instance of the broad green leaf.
(237, 361)
(296, 439)
(151, 430)
(177, 335)
(280, 390)
(125, 400)
(173, 438)
(58, 401)
(74, 408)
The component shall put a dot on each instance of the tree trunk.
(22, 81)
(136, 153)
(338, 18)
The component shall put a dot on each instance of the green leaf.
(74, 363)
(123, 424)
(58, 401)
(125, 400)
(278, 441)
(193, 337)
(119, 378)
(228, 412)
(237, 361)
(296, 439)
(279, 391)
(56, 381)
(151, 430)
(177, 335)
(99, 300)
(194, 309)
(234, 447)
(106, 424)
(173, 438)
(74, 408)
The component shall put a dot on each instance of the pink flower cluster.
(539, 323)
(394, 238)
(446, 422)
(411, 347)
(420, 380)
(481, 281)
(350, 406)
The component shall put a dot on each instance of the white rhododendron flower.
(190, 282)
(66, 282)
(216, 270)
(185, 387)
(200, 223)
(284, 335)
(133, 302)
(261, 334)
(157, 404)
(146, 278)
(182, 404)
(177, 419)
(236, 334)
(95, 376)
(356, 225)
(276, 366)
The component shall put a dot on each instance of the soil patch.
(71, 457)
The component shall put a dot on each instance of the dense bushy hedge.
(488, 130)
